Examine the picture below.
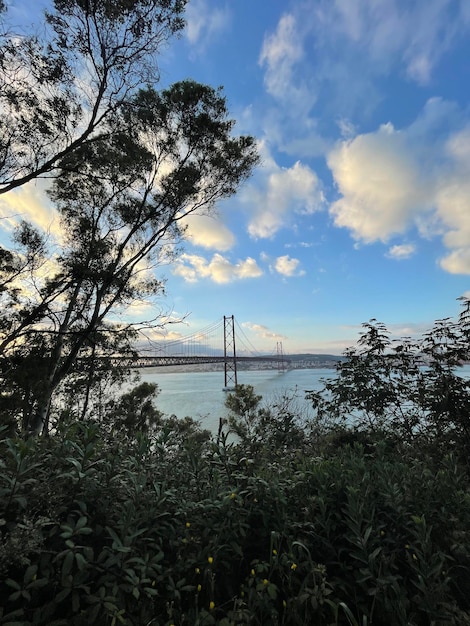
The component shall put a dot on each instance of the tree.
(409, 389)
(133, 412)
(274, 428)
(122, 199)
(57, 93)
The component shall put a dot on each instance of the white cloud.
(409, 33)
(329, 53)
(279, 53)
(31, 204)
(277, 194)
(380, 182)
(208, 232)
(453, 204)
(346, 128)
(219, 269)
(457, 262)
(403, 251)
(287, 266)
(263, 331)
(299, 244)
(391, 181)
(205, 21)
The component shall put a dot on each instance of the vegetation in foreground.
(143, 520)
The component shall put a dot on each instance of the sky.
(360, 208)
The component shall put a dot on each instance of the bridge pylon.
(230, 354)
(281, 367)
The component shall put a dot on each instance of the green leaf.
(13, 584)
(81, 561)
(30, 573)
(81, 522)
(62, 595)
(67, 564)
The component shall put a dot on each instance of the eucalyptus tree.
(127, 164)
(60, 84)
(122, 199)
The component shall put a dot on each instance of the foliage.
(411, 390)
(273, 430)
(101, 525)
(59, 86)
(134, 411)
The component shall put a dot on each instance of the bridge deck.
(161, 361)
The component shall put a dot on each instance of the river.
(200, 395)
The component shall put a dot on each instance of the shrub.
(178, 528)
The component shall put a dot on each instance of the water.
(200, 395)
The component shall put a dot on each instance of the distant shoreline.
(297, 362)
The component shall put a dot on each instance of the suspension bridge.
(217, 343)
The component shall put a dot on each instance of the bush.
(177, 528)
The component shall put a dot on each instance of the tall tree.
(122, 198)
(57, 92)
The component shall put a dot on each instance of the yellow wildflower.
(252, 572)
(197, 570)
(233, 496)
(293, 566)
(199, 588)
(210, 560)
(415, 558)
(211, 605)
(265, 581)
(274, 552)
(188, 524)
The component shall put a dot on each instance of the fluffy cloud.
(278, 194)
(380, 182)
(263, 331)
(29, 203)
(208, 232)
(192, 267)
(403, 251)
(390, 181)
(287, 266)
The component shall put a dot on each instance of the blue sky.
(361, 206)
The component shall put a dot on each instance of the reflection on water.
(200, 395)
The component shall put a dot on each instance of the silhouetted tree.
(58, 92)
(128, 167)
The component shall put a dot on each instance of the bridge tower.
(281, 367)
(230, 354)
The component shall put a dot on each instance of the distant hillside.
(307, 360)
(314, 357)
